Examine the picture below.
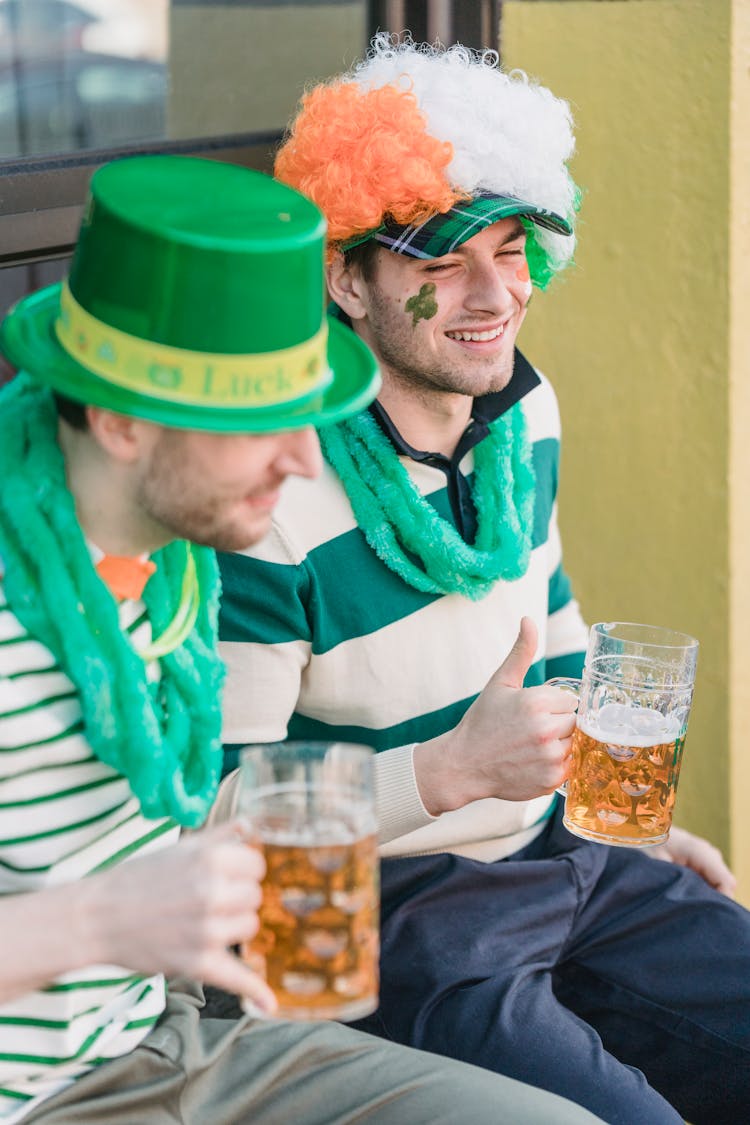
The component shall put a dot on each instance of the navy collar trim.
(486, 409)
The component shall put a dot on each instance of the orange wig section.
(361, 155)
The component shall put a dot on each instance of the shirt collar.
(486, 409)
(524, 378)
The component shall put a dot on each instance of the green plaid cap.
(442, 233)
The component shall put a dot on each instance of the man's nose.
(299, 454)
(488, 289)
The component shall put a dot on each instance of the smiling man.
(449, 341)
(406, 597)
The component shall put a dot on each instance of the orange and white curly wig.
(412, 129)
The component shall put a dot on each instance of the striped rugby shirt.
(64, 814)
(322, 640)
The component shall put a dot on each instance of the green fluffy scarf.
(406, 532)
(163, 736)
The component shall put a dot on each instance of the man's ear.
(347, 287)
(119, 435)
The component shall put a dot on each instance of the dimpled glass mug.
(310, 810)
(634, 701)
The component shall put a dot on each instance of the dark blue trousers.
(616, 980)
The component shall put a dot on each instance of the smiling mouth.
(477, 337)
(264, 501)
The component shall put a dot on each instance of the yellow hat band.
(182, 376)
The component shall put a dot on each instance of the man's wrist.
(96, 918)
(441, 785)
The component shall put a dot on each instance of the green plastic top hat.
(195, 299)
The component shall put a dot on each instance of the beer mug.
(310, 810)
(634, 701)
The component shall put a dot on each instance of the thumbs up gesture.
(512, 743)
(512, 671)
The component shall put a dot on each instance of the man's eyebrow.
(518, 231)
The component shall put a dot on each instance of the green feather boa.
(164, 737)
(406, 532)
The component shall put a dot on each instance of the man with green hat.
(168, 389)
(424, 605)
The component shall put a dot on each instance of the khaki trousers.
(228, 1072)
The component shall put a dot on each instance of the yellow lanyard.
(183, 621)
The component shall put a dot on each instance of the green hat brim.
(445, 231)
(28, 339)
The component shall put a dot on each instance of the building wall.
(647, 343)
(739, 441)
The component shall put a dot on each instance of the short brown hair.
(363, 256)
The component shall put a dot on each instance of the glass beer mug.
(634, 697)
(310, 810)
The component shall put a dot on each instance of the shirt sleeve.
(265, 642)
(399, 805)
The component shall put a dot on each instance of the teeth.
(492, 334)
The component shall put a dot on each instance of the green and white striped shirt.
(322, 640)
(63, 815)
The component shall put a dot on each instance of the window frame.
(41, 199)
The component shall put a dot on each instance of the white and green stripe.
(322, 640)
(63, 815)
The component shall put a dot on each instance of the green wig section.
(541, 268)
(539, 263)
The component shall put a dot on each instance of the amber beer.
(634, 700)
(317, 946)
(623, 781)
(310, 810)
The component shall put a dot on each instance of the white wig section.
(509, 135)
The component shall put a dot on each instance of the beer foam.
(291, 814)
(324, 833)
(622, 724)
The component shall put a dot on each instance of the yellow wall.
(739, 469)
(647, 343)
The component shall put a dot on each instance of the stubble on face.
(176, 494)
(393, 334)
(419, 317)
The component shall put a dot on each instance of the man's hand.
(696, 853)
(175, 912)
(513, 742)
(178, 910)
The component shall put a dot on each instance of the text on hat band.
(183, 376)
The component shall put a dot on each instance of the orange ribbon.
(125, 576)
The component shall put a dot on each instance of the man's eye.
(440, 267)
(512, 251)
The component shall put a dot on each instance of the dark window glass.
(82, 81)
(106, 73)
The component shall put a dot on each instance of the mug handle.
(565, 683)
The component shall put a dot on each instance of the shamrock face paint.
(449, 324)
(423, 305)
